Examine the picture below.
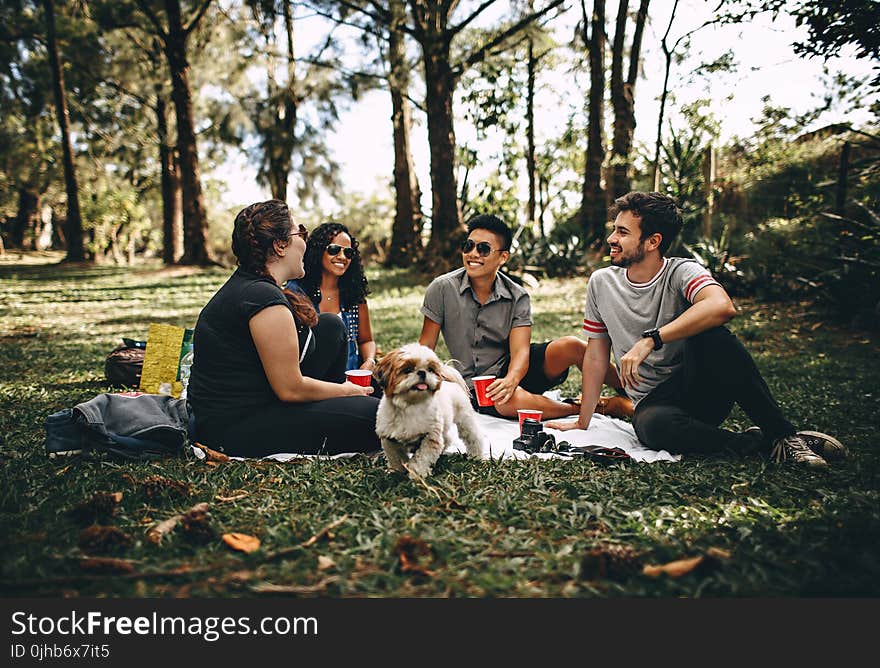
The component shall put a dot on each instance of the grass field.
(347, 528)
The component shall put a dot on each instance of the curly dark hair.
(658, 213)
(255, 230)
(353, 287)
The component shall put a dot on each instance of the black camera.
(533, 438)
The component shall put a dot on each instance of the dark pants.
(683, 413)
(330, 426)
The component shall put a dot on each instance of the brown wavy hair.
(256, 229)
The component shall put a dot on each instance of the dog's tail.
(450, 373)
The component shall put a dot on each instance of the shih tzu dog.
(422, 399)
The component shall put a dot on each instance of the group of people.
(273, 344)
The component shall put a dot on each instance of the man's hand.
(568, 425)
(501, 389)
(629, 363)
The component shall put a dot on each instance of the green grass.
(517, 529)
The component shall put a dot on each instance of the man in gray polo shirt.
(663, 319)
(486, 323)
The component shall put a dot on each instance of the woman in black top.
(269, 373)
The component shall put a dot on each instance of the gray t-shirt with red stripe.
(621, 310)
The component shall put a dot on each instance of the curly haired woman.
(269, 372)
(335, 282)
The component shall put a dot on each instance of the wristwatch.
(653, 334)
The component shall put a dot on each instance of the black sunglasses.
(483, 248)
(301, 232)
(333, 249)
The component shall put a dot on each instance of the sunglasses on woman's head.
(483, 247)
(301, 232)
(333, 249)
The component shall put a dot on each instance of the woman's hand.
(369, 364)
(567, 425)
(352, 390)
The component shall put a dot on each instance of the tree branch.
(452, 32)
(483, 51)
(157, 24)
(194, 21)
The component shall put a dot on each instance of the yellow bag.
(166, 344)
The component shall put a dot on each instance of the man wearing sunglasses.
(486, 323)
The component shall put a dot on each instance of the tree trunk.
(623, 96)
(73, 232)
(25, 218)
(280, 137)
(172, 224)
(531, 65)
(594, 212)
(406, 240)
(195, 224)
(446, 226)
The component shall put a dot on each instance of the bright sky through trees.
(766, 65)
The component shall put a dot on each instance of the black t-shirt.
(228, 380)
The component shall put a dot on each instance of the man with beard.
(663, 319)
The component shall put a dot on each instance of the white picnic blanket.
(605, 431)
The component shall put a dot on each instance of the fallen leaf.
(157, 487)
(163, 528)
(212, 455)
(268, 588)
(411, 552)
(674, 569)
(718, 553)
(240, 494)
(325, 563)
(740, 487)
(106, 565)
(101, 504)
(816, 326)
(242, 542)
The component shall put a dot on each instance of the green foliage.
(493, 529)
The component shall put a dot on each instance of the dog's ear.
(451, 374)
(383, 371)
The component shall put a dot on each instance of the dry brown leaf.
(325, 563)
(412, 553)
(212, 455)
(165, 527)
(718, 553)
(674, 569)
(106, 565)
(237, 496)
(318, 587)
(816, 326)
(242, 542)
(156, 487)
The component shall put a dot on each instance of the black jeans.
(683, 413)
(329, 426)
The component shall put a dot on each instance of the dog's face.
(411, 373)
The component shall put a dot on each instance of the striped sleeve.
(693, 279)
(594, 327)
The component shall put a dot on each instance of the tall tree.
(593, 212)
(433, 29)
(73, 230)
(173, 34)
(623, 94)
(406, 240)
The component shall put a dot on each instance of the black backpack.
(124, 364)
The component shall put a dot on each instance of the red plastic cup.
(480, 385)
(528, 413)
(359, 376)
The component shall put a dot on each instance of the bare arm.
(366, 345)
(597, 359)
(502, 389)
(430, 333)
(274, 333)
(711, 308)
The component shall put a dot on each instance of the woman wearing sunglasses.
(335, 282)
(269, 373)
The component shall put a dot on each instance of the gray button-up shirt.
(477, 335)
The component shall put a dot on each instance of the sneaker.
(796, 449)
(823, 445)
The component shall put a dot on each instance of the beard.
(629, 259)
